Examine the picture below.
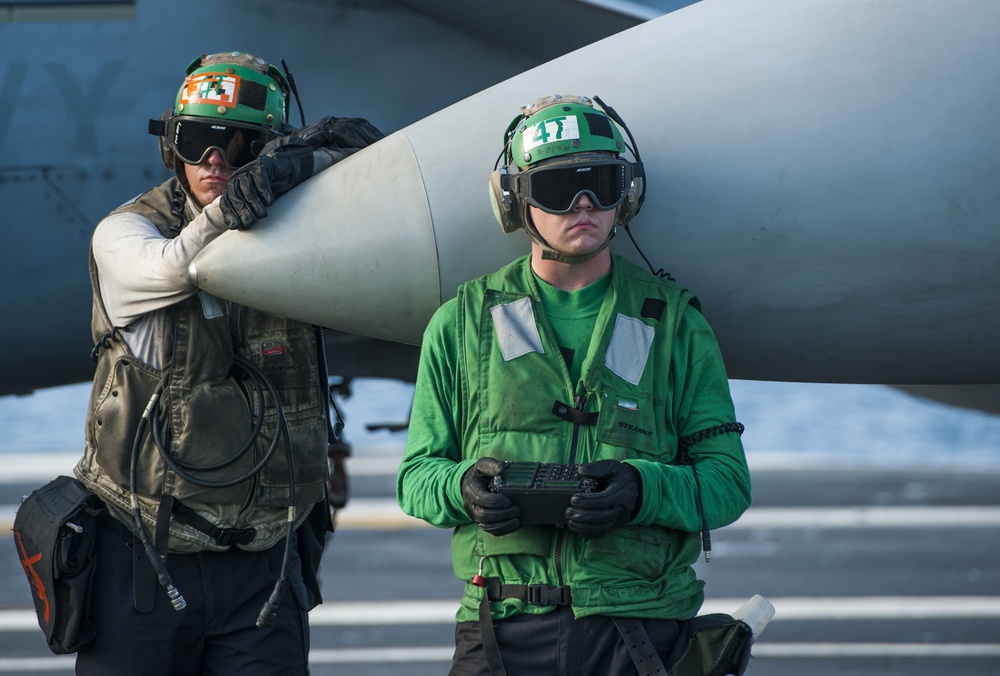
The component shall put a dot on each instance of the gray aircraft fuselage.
(821, 174)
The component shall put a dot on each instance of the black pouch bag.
(55, 531)
(711, 645)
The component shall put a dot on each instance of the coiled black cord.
(151, 413)
(184, 470)
(685, 443)
(661, 273)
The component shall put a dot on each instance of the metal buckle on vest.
(228, 537)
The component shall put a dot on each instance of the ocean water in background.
(787, 424)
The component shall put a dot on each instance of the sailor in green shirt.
(572, 356)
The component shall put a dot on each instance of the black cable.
(183, 470)
(295, 90)
(638, 167)
(270, 606)
(634, 148)
(282, 433)
(706, 533)
(613, 114)
(176, 599)
(334, 430)
(684, 444)
(661, 273)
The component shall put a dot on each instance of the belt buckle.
(544, 595)
(228, 537)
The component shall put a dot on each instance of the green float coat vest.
(519, 403)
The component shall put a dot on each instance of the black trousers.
(556, 644)
(215, 634)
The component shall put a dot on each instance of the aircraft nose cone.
(353, 250)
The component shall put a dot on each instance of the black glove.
(339, 132)
(282, 164)
(594, 514)
(493, 512)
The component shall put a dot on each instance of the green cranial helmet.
(236, 87)
(562, 125)
(557, 149)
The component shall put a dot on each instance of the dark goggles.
(192, 139)
(555, 188)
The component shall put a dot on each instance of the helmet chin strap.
(182, 177)
(551, 254)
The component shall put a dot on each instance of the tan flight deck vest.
(205, 414)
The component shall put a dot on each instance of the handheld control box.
(541, 490)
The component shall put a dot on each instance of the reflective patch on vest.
(211, 306)
(629, 349)
(515, 327)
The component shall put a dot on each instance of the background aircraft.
(79, 80)
(74, 147)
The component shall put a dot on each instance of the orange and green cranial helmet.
(236, 87)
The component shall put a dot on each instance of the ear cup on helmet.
(502, 201)
(166, 154)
